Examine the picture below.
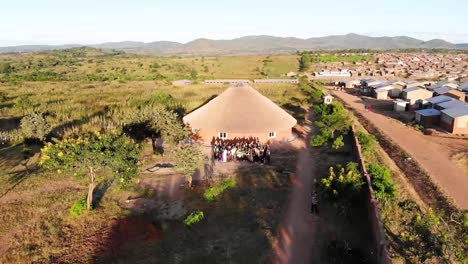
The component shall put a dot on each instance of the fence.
(383, 256)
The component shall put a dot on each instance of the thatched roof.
(240, 109)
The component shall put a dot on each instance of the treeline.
(342, 58)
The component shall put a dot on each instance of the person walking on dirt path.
(313, 203)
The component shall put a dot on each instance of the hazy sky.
(94, 21)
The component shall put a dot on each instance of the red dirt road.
(295, 236)
(432, 153)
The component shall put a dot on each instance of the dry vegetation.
(79, 91)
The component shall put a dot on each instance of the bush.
(78, 208)
(348, 181)
(194, 218)
(382, 182)
(320, 140)
(35, 126)
(213, 192)
(338, 143)
(368, 142)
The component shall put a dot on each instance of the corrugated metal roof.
(443, 90)
(456, 111)
(439, 99)
(452, 104)
(412, 89)
(428, 112)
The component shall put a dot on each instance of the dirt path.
(296, 233)
(433, 153)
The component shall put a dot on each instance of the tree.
(35, 126)
(336, 120)
(189, 158)
(92, 153)
(304, 62)
(154, 121)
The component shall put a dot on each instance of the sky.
(55, 22)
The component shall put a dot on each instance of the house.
(352, 83)
(427, 117)
(434, 86)
(449, 104)
(400, 105)
(463, 87)
(241, 111)
(384, 90)
(442, 90)
(397, 82)
(451, 85)
(455, 120)
(438, 100)
(381, 93)
(456, 94)
(342, 73)
(415, 95)
(415, 84)
(373, 83)
(181, 82)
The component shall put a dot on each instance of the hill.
(251, 45)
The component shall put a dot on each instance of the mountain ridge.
(254, 44)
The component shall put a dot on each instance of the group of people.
(238, 149)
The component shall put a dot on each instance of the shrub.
(348, 180)
(316, 95)
(320, 140)
(368, 142)
(382, 182)
(213, 192)
(78, 208)
(194, 218)
(35, 126)
(338, 143)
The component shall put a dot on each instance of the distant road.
(432, 153)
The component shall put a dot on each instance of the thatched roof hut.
(241, 111)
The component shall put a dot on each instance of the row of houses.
(435, 103)
(416, 66)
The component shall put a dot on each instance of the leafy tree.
(94, 152)
(304, 62)
(338, 120)
(35, 126)
(154, 119)
(382, 182)
(189, 158)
